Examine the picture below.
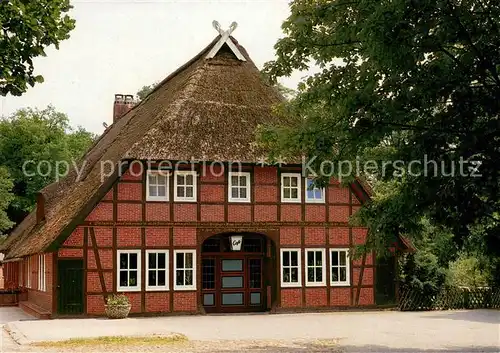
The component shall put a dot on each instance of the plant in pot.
(117, 306)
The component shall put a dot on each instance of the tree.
(32, 144)
(400, 80)
(28, 27)
(5, 198)
(145, 90)
(468, 271)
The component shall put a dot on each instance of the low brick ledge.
(35, 310)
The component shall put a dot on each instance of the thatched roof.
(207, 109)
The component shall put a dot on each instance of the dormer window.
(239, 187)
(185, 185)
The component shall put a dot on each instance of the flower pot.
(117, 311)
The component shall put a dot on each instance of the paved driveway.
(383, 331)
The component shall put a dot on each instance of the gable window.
(290, 187)
(129, 270)
(239, 187)
(157, 186)
(41, 273)
(185, 269)
(315, 267)
(185, 186)
(290, 268)
(340, 268)
(314, 194)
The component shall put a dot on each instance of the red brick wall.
(42, 299)
(157, 302)
(291, 298)
(185, 301)
(133, 223)
(316, 297)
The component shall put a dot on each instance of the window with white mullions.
(157, 270)
(41, 273)
(340, 267)
(314, 194)
(315, 267)
(129, 270)
(239, 187)
(185, 186)
(290, 187)
(290, 268)
(185, 269)
(157, 186)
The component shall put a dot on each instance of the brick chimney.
(123, 103)
(40, 207)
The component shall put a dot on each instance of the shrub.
(117, 299)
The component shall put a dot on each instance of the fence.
(446, 298)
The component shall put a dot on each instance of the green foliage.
(32, 136)
(117, 299)
(426, 268)
(5, 198)
(145, 90)
(28, 27)
(467, 271)
(400, 80)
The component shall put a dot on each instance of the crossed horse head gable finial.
(225, 38)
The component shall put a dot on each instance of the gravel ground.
(387, 332)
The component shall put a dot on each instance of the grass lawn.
(115, 341)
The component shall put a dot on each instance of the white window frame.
(323, 267)
(299, 268)
(299, 187)
(41, 273)
(195, 182)
(339, 283)
(28, 273)
(185, 287)
(313, 200)
(167, 177)
(157, 288)
(230, 186)
(137, 287)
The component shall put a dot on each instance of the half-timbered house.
(173, 207)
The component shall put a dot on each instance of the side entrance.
(70, 287)
(236, 273)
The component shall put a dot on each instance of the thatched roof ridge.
(200, 108)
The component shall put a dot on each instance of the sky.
(118, 46)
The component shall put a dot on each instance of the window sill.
(128, 289)
(316, 201)
(156, 199)
(340, 284)
(238, 201)
(185, 200)
(295, 285)
(290, 201)
(322, 284)
(157, 289)
(184, 289)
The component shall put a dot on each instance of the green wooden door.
(70, 287)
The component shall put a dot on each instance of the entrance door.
(232, 281)
(70, 286)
